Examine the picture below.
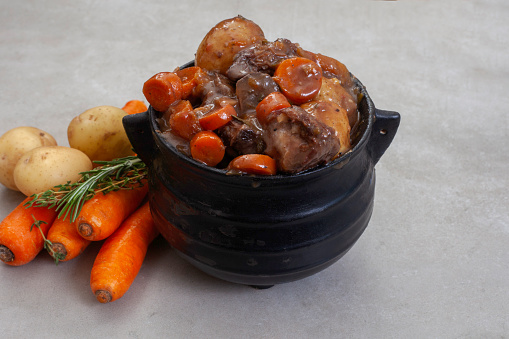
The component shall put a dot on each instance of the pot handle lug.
(384, 129)
(137, 127)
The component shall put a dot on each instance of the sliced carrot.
(183, 120)
(188, 76)
(335, 67)
(121, 255)
(299, 78)
(207, 147)
(254, 164)
(162, 90)
(66, 242)
(20, 241)
(272, 102)
(217, 118)
(103, 213)
(135, 106)
(180, 105)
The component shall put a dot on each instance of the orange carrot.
(121, 256)
(189, 77)
(65, 241)
(162, 90)
(254, 164)
(299, 78)
(183, 120)
(102, 214)
(20, 240)
(272, 102)
(217, 118)
(207, 147)
(335, 67)
(135, 106)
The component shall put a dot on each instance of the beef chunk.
(251, 89)
(261, 57)
(214, 89)
(298, 141)
(240, 138)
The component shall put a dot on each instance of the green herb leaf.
(122, 173)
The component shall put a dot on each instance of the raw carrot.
(207, 147)
(299, 78)
(183, 120)
(272, 102)
(102, 214)
(189, 77)
(134, 106)
(162, 90)
(217, 118)
(65, 243)
(20, 241)
(121, 256)
(253, 164)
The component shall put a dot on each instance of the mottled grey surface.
(433, 263)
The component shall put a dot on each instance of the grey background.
(433, 263)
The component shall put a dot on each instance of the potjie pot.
(263, 230)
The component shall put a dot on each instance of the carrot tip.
(59, 251)
(85, 230)
(6, 254)
(103, 296)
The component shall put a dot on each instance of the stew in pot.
(252, 106)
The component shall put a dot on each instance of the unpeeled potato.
(332, 91)
(333, 116)
(224, 40)
(44, 167)
(98, 132)
(16, 142)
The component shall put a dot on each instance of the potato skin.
(98, 132)
(333, 115)
(16, 142)
(334, 92)
(224, 40)
(44, 167)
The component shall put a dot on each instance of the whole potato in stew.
(16, 142)
(45, 167)
(99, 133)
(224, 40)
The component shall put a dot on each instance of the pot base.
(260, 281)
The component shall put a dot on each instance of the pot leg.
(261, 287)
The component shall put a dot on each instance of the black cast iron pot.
(259, 230)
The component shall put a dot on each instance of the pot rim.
(319, 170)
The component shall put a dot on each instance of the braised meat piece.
(251, 89)
(240, 138)
(261, 57)
(298, 141)
(214, 89)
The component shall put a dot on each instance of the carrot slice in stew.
(207, 147)
(188, 76)
(183, 120)
(162, 90)
(272, 102)
(299, 78)
(217, 118)
(254, 164)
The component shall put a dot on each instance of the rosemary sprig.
(48, 245)
(122, 173)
